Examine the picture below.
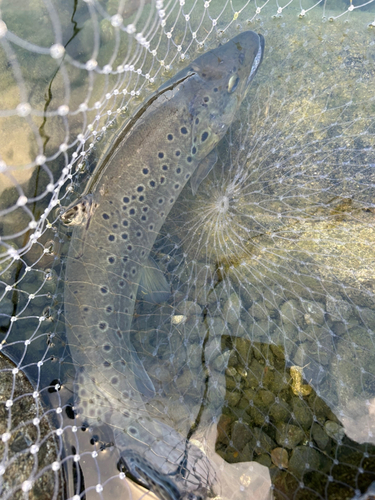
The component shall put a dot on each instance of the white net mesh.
(264, 352)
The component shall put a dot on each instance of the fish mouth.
(257, 60)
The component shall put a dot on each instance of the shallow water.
(270, 264)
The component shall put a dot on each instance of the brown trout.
(114, 228)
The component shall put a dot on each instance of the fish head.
(222, 78)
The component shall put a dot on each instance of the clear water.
(269, 330)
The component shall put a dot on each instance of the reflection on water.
(268, 334)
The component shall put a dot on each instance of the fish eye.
(233, 83)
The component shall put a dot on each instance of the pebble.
(338, 309)
(241, 435)
(304, 459)
(244, 350)
(320, 437)
(259, 311)
(260, 442)
(221, 362)
(334, 430)
(289, 435)
(279, 457)
(189, 308)
(291, 313)
(217, 327)
(232, 309)
(213, 349)
(194, 355)
(367, 315)
(302, 413)
(314, 312)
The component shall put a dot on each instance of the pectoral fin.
(203, 169)
(142, 380)
(153, 285)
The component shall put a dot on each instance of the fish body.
(115, 225)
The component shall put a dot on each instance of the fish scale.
(115, 226)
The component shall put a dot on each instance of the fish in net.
(263, 352)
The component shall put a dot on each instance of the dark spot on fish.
(151, 226)
(102, 325)
(85, 309)
(114, 380)
(141, 198)
(187, 176)
(124, 207)
(104, 289)
(130, 248)
(152, 183)
(111, 260)
(140, 189)
(170, 137)
(161, 200)
(204, 136)
(145, 171)
(107, 347)
(139, 234)
(145, 209)
(108, 309)
(115, 226)
(132, 211)
(125, 259)
(160, 154)
(134, 271)
(206, 99)
(119, 334)
(143, 218)
(134, 197)
(133, 431)
(194, 150)
(178, 170)
(125, 275)
(107, 364)
(121, 284)
(165, 167)
(125, 223)
(189, 159)
(178, 153)
(111, 237)
(176, 186)
(184, 130)
(162, 180)
(197, 121)
(171, 200)
(105, 216)
(241, 57)
(126, 199)
(131, 296)
(124, 236)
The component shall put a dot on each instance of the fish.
(114, 226)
